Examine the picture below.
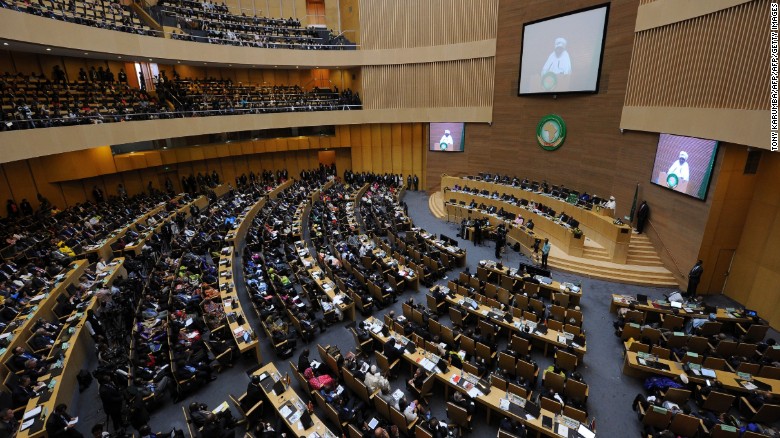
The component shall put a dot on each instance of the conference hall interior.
(389, 218)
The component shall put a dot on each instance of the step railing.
(663, 245)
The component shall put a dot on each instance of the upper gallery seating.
(212, 23)
(217, 97)
(105, 14)
(202, 22)
(36, 102)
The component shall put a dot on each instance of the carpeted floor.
(611, 392)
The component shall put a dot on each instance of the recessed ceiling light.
(276, 66)
(150, 59)
(178, 62)
(296, 66)
(86, 53)
(119, 57)
(230, 65)
(205, 63)
(5, 44)
(48, 49)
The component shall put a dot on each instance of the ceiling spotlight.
(86, 53)
(48, 49)
(5, 44)
(119, 57)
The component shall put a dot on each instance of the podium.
(682, 186)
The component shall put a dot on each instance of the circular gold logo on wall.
(551, 132)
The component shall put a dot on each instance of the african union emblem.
(551, 132)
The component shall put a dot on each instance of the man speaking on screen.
(558, 62)
(680, 168)
(446, 142)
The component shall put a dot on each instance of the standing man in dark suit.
(500, 239)
(693, 278)
(408, 182)
(113, 400)
(416, 182)
(641, 216)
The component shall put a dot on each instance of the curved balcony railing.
(100, 117)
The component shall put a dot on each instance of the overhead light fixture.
(178, 62)
(48, 49)
(5, 44)
(86, 53)
(119, 57)
(150, 59)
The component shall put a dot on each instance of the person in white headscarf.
(680, 167)
(558, 62)
(375, 381)
(446, 141)
(610, 204)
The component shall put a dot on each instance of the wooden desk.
(731, 381)
(559, 235)
(554, 287)
(549, 338)
(237, 234)
(103, 248)
(491, 401)
(62, 381)
(323, 282)
(228, 294)
(350, 207)
(458, 254)
(411, 277)
(45, 309)
(290, 398)
(519, 234)
(201, 202)
(597, 225)
(656, 306)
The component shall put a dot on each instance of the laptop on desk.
(641, 299)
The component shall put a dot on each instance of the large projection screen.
(562, 54)
(684, 164)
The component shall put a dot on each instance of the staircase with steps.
(436, 205)
(644, 267)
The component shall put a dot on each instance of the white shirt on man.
(681, 170)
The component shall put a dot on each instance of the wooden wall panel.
(705, 62)
(755, 272)
(596, 157)
(21, 179)
(731, 202)
(52, 192)
(410, 23)
(462, 83)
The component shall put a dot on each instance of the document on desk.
(585, 432)
(563, 430)
(285, 411)
(35, 411)
(373, 423)
(27, 424)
